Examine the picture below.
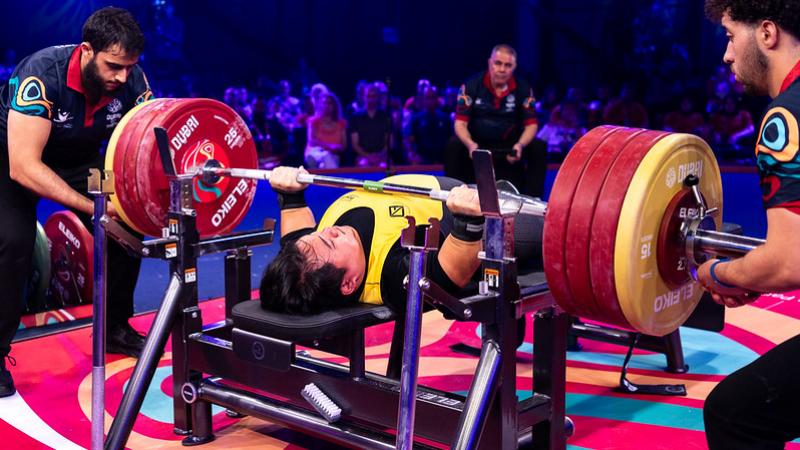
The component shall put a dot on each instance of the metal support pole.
(409, 371)
(99, 311)
(145, 367)
(476, 408)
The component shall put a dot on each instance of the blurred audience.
(732, 130)
(566, 125)
(284, 107)
(381, 128)
(625, 110)
(685, 119)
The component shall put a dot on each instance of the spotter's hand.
(732, 297)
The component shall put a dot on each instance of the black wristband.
(291, 200)
(467, 228)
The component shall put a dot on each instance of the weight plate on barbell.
(648, 303)
(604, 221)
(198, 130)
(562, 195)
(582, 212)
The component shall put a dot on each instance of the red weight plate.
(604, 227)
(71, 252)
(670, 247)
(125, 197)
(199, 129)
(580, 220)
(558, 215)
(145, 122)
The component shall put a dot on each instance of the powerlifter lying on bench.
(354, 253)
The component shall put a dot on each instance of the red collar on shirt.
(487, 81)
(793, 75)
(75, 82)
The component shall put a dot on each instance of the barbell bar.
(510, 203)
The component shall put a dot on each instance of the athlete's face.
(339, 246)
(105, 71)
(501, 67)
(748, 63)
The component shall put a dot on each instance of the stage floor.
(53, 377)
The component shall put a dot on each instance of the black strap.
(291, 200)
(467, 228)
(627, 387)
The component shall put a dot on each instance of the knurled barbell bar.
(631, 211)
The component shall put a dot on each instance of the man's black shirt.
(48, 84)
(491, 119)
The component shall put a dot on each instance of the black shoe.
(124, 340)
(6, 382)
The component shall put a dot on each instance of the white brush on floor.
(321, 402)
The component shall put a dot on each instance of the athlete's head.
(319, 271)
(112, 43)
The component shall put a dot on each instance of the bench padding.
(251, 317)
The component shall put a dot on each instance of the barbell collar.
(724, 244)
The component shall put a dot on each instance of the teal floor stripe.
(705, 352)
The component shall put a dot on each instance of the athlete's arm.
(294, 212)
(459, 255)
(769, 267)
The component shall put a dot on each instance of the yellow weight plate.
(648, 303)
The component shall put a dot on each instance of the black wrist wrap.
(467, 228)
(291, 200)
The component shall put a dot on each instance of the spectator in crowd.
(546, 104)
(716, 102)
(722, 75)
(327, 138)
(278, 136)
(597, 106)
(259, 128)
(396, 149)
(416, 102)
(732, 130)
(371, 129)
(685, 119)
(306, 112)
(359, 101)
(237, 98)
(288, 107)
(428, 131)
(316, 92)
(566, 125)
(625, 110)
(383, 95)
(449, 101)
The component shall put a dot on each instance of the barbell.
(630, 214)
